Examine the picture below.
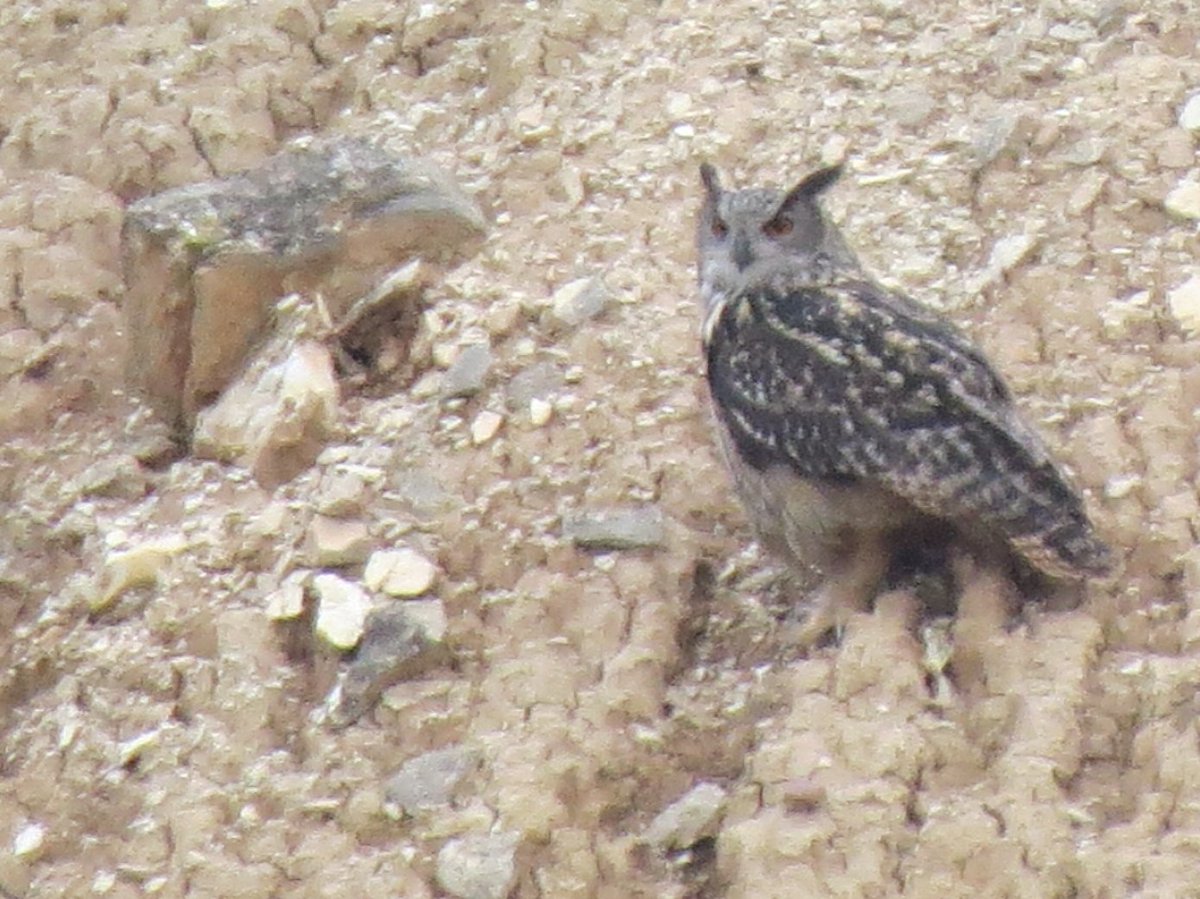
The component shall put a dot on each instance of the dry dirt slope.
(1009, 164)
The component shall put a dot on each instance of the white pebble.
(539, 412)
(399, 572)
(341, 610)
(485, 426)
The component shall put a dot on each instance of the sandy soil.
(1008, 164)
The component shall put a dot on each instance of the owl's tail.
(1068, 549)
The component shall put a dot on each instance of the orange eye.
(778, 227)
(719, 228)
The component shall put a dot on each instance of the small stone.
(130, 751)
(343, 494)
(430, 616)
(485, 426)
(421, 491)
(1009, 252)
(155, 446)
(1070, 33)
(502, 318)
(1184, 200)
(578, 301)
(28, 842)
(909, 108)
(479, 866)
(428, 780)
(539, 412)
(342, 609)
(429, 384)
(1189, 115)
(141, 565)
(688, 820)
(17, 347)
(539, 381)
(337, 541)
(1087, 151)
(616, 528)
(117, 477)
(997, 136)
(287, 602)
(399, 572)
(394, 646)
(835, 149)
(1085, 194)
(1184, 302)
(466, 376)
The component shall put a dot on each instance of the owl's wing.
(845, 381)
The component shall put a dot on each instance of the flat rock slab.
(204, 263)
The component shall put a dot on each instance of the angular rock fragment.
(577, 301)
(203, 264)
(615, 528)
(342, 608)
(466, 376)
(140, 565)
(479, 866)
(277, 416)
(688, 820)
(395, 645)
(399, 572)
(428, 780)
(337, 541)
(1184, 200)
(1184, 303)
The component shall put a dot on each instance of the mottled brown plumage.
(856, 422)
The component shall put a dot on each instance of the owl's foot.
(848, 590)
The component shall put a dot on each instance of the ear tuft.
(811, 186)
(712, 181)
(820, 180)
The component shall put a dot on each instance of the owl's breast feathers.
(844, 381)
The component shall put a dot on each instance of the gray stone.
(421, 491)
(616, 528)
(204, 263)
(577, 301)
(997, 136)
(537, 382)
(467, 375)
(395, 645)
(428, 780)
(688, 820)
(479, 867)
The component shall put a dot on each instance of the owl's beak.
(742, 256)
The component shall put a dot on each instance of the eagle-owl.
(857, 424)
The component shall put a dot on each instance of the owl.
(861, 429)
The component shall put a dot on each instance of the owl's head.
(737, 229)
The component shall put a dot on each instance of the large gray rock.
(204, 264)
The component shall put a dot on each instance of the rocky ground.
(1031, 169)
